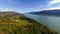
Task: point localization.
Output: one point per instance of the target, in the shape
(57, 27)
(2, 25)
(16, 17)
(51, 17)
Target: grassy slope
(16, 24)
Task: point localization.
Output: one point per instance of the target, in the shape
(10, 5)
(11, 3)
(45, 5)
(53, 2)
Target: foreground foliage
(17, 24)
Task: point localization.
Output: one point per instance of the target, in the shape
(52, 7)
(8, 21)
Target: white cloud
(53, 8)
(53, 2)
(6, 9)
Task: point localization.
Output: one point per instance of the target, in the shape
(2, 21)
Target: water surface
(53, 22)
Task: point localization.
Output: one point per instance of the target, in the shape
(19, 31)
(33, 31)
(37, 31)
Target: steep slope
(15, 23)
(48, 12)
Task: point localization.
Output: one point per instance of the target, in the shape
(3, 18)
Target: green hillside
(14, 23)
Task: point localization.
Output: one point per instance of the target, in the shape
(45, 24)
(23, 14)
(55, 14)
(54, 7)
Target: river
(52, 22)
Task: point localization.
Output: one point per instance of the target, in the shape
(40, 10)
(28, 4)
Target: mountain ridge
(47, 12)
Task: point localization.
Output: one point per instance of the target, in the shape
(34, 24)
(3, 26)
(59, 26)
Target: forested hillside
(15, 23)
(48, 12)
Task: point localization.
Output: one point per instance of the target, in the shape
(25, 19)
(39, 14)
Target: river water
(52, 22)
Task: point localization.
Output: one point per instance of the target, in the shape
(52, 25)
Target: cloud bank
(52, 2)
(53, 8)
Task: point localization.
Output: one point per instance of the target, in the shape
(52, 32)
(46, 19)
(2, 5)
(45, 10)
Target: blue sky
(29, 5)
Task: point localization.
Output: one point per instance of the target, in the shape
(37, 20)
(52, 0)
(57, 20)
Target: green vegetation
(17, 24)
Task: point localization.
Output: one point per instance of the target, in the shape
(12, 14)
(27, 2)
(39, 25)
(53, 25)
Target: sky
(24, 6)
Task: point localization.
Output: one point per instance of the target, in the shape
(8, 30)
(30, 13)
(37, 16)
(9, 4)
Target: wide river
(52, 22)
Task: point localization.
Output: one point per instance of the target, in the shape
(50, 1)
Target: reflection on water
(51, 21)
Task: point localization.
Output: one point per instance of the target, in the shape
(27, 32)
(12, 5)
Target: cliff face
(15, 23)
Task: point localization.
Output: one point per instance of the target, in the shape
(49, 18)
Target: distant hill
(17, 23)
(47, 12)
